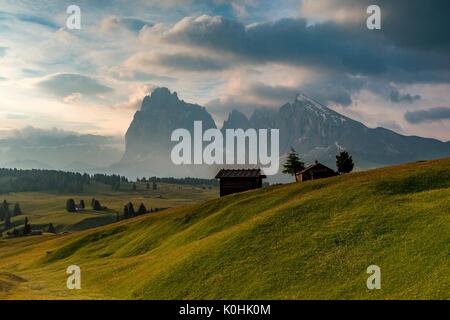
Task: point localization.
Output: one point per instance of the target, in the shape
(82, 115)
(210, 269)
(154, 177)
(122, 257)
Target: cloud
(328, 46)
(60, 148)
(15, 115)
(74, 97)
(323, 10)
(391, 124)
(112, 23)
(67, 84)
(398, 97)
(3, 51)
(277, 93)
(181, 61)
(33, 19)
(403, 23)
(429, 115)
(37, 137)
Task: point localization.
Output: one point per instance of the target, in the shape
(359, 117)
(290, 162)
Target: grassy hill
(299, 241)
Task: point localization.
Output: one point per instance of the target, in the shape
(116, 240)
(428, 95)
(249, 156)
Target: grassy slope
(43, 208)
(311, 240)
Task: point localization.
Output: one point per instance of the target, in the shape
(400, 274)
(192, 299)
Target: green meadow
(311, 240)
(44, 208)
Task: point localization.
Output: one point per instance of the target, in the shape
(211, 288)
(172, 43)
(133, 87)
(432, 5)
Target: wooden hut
(315, 171)
(238, 180)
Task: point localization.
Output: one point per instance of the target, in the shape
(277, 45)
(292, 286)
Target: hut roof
(239, 173)
(317, 165)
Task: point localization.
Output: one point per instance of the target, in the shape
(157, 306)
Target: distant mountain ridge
(314, 130)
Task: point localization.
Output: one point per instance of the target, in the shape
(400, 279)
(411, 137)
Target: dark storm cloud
(398, 97)
(339, 47)
(433, 114)
(281, 94)
(411, 23)
(334, 89)
(416, 24)
(189, 62)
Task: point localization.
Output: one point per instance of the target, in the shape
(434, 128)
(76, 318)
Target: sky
(240, 54)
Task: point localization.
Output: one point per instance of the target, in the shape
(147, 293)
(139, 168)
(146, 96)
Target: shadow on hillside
(414, 183)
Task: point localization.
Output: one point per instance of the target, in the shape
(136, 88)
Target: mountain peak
(236, 119)
(162, 92)
(304, 100)
(160, 96)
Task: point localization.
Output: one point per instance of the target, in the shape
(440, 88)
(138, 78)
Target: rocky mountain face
(315, 131)
(147, 140)
(319, 133)
(161, 113)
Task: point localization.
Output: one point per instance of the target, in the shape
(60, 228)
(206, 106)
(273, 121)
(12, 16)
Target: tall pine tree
(344, 162)
(293, 164)
(70, 205)
(142, 209)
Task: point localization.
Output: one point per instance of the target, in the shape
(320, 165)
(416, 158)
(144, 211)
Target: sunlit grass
(298, 241)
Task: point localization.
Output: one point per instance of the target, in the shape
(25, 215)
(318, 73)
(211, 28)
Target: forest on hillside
(19, 180)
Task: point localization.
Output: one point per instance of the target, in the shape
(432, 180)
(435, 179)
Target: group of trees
(147, 185)
(183, 181)
(6, 213)
(129, 211)
(71, 206)
(293, 164)
(27, 230)
(24, 231)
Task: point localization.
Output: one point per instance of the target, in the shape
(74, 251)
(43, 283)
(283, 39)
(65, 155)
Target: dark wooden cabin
(238, 180)
(315, 171)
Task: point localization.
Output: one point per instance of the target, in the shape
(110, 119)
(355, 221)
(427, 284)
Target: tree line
(128, 209)
(184, 181)
(28, 180)
(71, 206)
(130, 212)
(18, 180)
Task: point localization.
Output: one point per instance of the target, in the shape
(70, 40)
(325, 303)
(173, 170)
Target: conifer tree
(4, 210)
(293, 164)
(344, 162)
(131, 212)
(70, 205)
(125, 212)
(142, 209)
(51, 228)
(97, 206)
